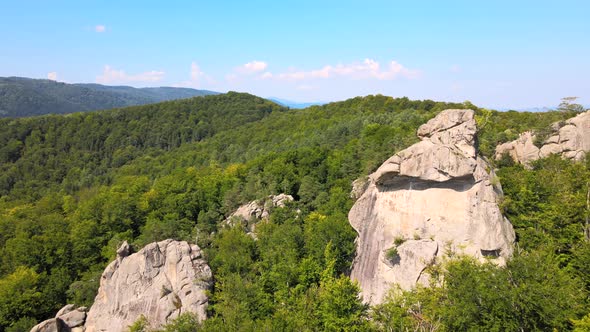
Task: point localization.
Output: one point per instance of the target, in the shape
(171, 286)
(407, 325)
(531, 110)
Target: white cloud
(369, 68)
(52, 76)
(197, 76)
(455, 69)
(266, 75)
(252, 67)
(100, 28)
(110, 75)
(196, 73)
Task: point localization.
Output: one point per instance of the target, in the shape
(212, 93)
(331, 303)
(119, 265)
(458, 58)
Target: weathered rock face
(522, 150)
(261, 210)
(435, 196)
(570, 140)
(249, 214)
(161, 281)
(68, 318)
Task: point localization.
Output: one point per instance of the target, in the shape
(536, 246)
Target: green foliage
(186, 322)
(568, 104)
(530, 294)
(24, 324)
(544, 287)
(399, 240)
(391, 254)
(27, 97)
(548, 204)
(582, 325)
(340, 306)
(19, 296)
(72, 188)
(140, 325)
(501, 127)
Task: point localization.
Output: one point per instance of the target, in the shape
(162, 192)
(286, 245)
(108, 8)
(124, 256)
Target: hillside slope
(20, 97)
(74, 187)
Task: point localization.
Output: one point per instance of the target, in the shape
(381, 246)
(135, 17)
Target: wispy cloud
(110, 75)
(367, 69)
(100, 28)
(252, 67)
(52, 76)
(196, 73)
(266, 75)
(197, 77)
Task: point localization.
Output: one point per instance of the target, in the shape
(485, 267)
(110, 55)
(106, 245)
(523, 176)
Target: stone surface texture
(261, 210)
(570, 140)
(161, 281)
(435, 197)
(69, 318)
(248, 215)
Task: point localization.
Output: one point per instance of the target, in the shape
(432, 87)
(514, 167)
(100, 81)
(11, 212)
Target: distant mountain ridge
(294, 104)
(21, 97)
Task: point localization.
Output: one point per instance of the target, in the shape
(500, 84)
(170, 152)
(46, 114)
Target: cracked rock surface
(570, 140)
(161, 281)
(434, 197)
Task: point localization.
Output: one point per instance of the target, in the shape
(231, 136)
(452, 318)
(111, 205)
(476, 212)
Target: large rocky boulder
(261, 209)
(248, 215)
(160, 282)
(570, 140)
(435, 197)
(67, 319)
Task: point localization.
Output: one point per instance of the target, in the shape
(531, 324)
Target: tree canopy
(72, 188)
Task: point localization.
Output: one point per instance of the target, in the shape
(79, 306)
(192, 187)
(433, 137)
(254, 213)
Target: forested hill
(44, 151)
(20, 97)
(73, 187)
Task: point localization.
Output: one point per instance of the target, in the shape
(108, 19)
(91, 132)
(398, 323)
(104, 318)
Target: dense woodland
(20, 96)
(73, 187)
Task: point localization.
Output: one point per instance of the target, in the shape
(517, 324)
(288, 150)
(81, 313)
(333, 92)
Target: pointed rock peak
(124, 250)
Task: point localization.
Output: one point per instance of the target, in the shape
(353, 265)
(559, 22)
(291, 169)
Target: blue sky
(494, 53)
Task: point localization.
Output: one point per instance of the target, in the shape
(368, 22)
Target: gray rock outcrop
(570, 140)
(251, 213)
(68, 319)
(160, 282)
(434, 197)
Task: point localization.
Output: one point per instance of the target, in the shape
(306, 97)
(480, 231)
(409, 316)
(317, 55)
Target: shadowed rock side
(161, 281)
(570, 139)
(434, 197)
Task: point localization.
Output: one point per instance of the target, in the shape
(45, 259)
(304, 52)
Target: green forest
(74, 187)
(21, 96)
